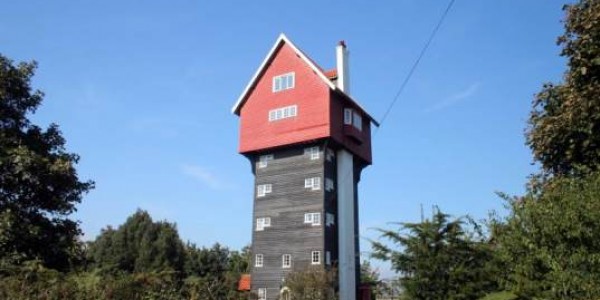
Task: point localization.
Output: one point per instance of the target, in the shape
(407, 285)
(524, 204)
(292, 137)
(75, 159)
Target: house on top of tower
(307, 140)
(292, 100)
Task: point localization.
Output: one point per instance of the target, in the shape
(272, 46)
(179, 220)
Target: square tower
(307, 141)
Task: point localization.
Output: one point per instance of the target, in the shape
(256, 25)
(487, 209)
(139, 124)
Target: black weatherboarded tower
(307, 140)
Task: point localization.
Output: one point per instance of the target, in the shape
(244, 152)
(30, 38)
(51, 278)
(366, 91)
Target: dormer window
(352, 117)
(283, 82)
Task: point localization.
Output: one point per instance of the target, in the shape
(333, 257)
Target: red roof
(244, 283)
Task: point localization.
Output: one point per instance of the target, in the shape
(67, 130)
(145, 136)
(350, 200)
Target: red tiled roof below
(331, 74)
(244, 283)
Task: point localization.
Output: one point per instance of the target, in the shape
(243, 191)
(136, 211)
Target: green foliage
(500, 296)
(312, 284)
(139, 245)
(214, 272)
(39, 186)
(564, 125)
(438, 259)
(551, 240)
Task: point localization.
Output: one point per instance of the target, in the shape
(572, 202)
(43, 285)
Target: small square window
(348, 116)
(316, 257)
(329, 186)
(286, 261)
(357, 121)
(329, 219)
(313, 152)
(283, 82)
(258, 261)
(263, 189)
(262, 294)
(314, 183)
(263, 160)
(261, 223)
(312, 218)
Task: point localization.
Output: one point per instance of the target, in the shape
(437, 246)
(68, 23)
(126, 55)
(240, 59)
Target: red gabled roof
(244, 283)
(326, 76)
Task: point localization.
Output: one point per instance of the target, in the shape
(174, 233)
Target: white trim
(257, 260)
(275, 88)
(263, 160)
(312, 218)
(287, 265)
(317, 255)
(262, 294)
(262, 223)
(281, 39)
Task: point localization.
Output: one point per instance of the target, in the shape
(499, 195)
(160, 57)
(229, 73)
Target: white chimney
(343, 72)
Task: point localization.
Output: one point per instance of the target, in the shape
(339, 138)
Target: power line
(415, 64)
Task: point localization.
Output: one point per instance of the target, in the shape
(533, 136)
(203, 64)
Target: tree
(39, 186)
(139, 245)
(370, 277)
(438, 259)
(564, 124)
(213, 273)
(550, 242)
(311, 284)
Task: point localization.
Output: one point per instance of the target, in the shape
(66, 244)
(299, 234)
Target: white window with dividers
(286, 261)
(312, 218)
(315, 258)
(262, 294)
(313, 183)
(313, 152)
(283, 113)
(262, 223)
(263, 160)
(263, 189)
(284, 82)
(258, 260)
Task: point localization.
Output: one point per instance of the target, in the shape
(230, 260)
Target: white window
(313, 183)
(348, 116)
(329, 219)
(264, 160)
(313, 152)
(258, 261)
(286, 261)
(352, 117)
(283, 82)
(261, 223)
(330, 155)
(262, 294)
(328, 258)
(316, 257)
(357, 121)
(283, 113)
(312, 218)
(329, 184)
(263, 189)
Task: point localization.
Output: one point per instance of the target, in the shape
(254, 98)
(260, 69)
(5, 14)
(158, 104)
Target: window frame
(257, 260)
(262, 223)
(263, 189)
(262, 294)
(313, 218)
(281, 113)
(314, 183)
(289, 261)
(263, 160)
(314, 152)
(317, 255)
(289, 79)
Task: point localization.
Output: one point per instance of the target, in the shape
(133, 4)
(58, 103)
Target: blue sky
(142, 90)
